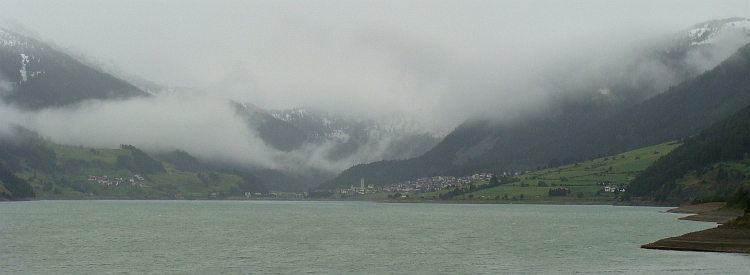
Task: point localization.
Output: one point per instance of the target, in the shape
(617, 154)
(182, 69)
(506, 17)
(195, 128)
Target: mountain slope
(681, 111)
(727, 140)
(36, 76)
(277, 133)
(392, 137)
(576, 130)
(31, 166)
(13, 187)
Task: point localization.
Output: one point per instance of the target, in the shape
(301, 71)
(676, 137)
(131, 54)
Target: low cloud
(437, 63)
(198, 123)
(204, 126)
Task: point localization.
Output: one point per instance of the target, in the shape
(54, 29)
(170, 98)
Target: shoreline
(723, 238)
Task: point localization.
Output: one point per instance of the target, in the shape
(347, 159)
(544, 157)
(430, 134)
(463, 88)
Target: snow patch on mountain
(24, 61)
(20, 45)
(8, 39)
(710, 32)
(339, 127)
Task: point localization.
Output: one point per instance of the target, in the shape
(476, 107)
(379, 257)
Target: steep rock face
(592, 122)
(34, 76)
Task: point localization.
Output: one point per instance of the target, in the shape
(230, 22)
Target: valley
(374, 137)
(590, 142)
(585, 182)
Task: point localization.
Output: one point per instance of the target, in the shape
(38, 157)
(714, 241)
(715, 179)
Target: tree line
(728, 140)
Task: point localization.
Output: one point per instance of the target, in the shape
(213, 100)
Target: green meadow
(74, 165)
(585, 180)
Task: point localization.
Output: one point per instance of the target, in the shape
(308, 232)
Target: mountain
(306, 134)
(708, 43)
(288, 130)
(275, 132)
(33, 167)
(34, 76)
(593, 122)
(392, 137)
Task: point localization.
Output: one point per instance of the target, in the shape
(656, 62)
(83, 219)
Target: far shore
(723, 238)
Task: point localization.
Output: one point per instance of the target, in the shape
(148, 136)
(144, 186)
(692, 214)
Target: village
(136, 180)
(422, 185)
(437, 183)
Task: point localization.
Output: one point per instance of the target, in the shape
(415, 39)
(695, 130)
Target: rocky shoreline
(724, 238)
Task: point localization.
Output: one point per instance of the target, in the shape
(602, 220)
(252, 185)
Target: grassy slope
(707, 186)
(78, 163)
(3, 190)
(578, 178)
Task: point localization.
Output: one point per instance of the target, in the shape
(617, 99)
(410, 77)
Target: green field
(586, 178)
(74, 165)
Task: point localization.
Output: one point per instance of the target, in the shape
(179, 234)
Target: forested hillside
(13, 187)
(581, 132)
(33, 167)
(725, 141)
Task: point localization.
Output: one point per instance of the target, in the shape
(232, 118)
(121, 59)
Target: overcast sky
(439, 61)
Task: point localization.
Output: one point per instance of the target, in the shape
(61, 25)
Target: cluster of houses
(430, 184)
(136, 180)
(422, 185)
(612, 187)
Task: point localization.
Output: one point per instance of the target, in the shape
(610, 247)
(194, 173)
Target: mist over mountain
(73, 103)
(600, 116)
(313, 146)
(33, 76)
(399, 136)
(566, 89)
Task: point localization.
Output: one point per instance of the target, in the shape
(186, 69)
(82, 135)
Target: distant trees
(494, 182)
(728, 140)
(124, 162)
(182, 161)
(203, 179)
(212, 177)
(18, 187)
(554, 163)
(741, 198)
(559, 192)
(455, 192)
(24, 144)
(250, 182)
(140, 163)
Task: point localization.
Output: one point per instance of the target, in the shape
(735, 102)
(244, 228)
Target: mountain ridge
(496, 147)
(36, 76)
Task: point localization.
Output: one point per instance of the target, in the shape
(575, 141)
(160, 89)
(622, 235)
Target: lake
(276, 237)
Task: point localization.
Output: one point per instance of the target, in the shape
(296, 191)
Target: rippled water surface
(260, 237)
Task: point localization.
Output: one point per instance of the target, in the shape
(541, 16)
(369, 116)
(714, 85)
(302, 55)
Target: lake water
(262, 237)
